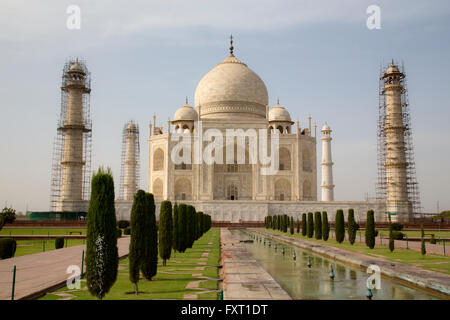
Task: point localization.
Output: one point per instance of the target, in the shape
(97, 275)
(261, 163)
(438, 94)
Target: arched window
(158, 189)
(158, 160)
(183, 189)
(285, 159)
(232, 192)
(306, 159)
(282, 190)
(307, 193)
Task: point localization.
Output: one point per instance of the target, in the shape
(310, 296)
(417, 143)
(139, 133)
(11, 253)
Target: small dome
(326, 127)
(392, 69)
(131, 126)
(279, 113)
(185, 113)
(76, 67)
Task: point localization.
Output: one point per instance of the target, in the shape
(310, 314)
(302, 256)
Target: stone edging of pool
(243, 277)
(429, 280)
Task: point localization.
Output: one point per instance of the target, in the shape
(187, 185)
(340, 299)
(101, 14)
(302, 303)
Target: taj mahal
(233, 97)
(231, 155)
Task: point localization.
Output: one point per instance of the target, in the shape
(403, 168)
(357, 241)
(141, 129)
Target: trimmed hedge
(7, 248)
(339, 226)
(118, 233)
(127, 231)
(318, 225)
(59, 243)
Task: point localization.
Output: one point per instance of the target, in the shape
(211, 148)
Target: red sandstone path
(39, 272)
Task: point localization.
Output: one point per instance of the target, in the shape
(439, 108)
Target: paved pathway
(243, 277)
(420, 277)
(40, 272)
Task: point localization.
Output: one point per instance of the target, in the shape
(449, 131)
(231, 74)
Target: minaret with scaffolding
(129, 178)
(397, 182)
(70, 182)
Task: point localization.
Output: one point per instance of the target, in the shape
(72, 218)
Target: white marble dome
(231, 88)
(279, 113)
(185, 113)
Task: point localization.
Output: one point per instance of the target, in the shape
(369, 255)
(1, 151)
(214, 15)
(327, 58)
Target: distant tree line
(317, 226)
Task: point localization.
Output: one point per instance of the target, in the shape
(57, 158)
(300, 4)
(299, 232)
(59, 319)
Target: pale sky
(145, 57)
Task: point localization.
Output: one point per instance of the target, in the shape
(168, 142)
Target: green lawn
(171, 280)
(415, 234)
(41, 231)
(25, 247)
(437, 263)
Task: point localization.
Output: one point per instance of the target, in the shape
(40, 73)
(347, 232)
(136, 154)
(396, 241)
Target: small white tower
(327, 165)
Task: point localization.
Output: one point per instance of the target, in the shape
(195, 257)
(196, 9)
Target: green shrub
(339, 226)
(59, 243)
(432, 239)
(127, 231)
(370, 229)
(298, 225)
(165, 232)
(7, 248)
(397, 235)
(291, 225)
(325, 226)
(118, 233)
(123, 224)
(318, 225)
(396, 226)
(102, 258)
(310, 225)
(304, 227)
(352, 226)
(423, 249)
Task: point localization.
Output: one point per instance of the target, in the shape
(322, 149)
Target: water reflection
(302, 282)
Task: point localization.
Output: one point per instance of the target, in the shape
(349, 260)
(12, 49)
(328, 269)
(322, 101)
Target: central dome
(229, 90)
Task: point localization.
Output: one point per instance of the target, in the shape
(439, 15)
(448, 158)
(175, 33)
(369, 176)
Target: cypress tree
(298, 225)
(200, 223)
(304, 228)
(352, 226)
(391, 236)
(291, 227)
(165, 231)
(310, 226)
(138, 237)
(190, 226)
(150, 263)
(370, 229)
(102, 258)
(340, 226)
(175, 234)
(325, 226)
(318, 225)
(423, 249)
(182, 227)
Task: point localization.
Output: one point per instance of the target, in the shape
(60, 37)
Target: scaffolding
(56, 182)
(411, 178)
(130, 169)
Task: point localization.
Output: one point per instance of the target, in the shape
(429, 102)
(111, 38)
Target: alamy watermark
(231, 146)
(73, 21)
(374, 19)
(73, 282)
(374, 280)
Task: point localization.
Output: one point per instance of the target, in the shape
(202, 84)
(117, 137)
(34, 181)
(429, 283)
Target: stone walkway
(423, 278)
(243, 277)
(42, 272)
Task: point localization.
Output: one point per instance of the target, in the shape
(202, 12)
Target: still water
(303, 282)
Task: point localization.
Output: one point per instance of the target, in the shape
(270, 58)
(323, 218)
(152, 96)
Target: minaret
(327, 165)
(73, 125)
(130, 161)
(396, 164)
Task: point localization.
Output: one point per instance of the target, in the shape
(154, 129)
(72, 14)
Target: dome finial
(231, 45)
(187, 102)
(278, 101)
